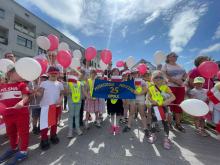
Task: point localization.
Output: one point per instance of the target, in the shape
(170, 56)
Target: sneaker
(61, 124)
(171, 127)
(54, 139)
(35, 131)
(97, 124)
(7, 155)
(90, 118)
(166, 144)
(126, 129)
(147, 132)
(86, 125)
(19, 156)
(44, 144)
(180, 128)
(70, 133)
(152, 138)
(79, 132)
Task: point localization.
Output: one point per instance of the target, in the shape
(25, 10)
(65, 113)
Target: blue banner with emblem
(114, 90)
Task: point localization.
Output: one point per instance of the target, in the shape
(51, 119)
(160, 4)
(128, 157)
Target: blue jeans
(74, 112)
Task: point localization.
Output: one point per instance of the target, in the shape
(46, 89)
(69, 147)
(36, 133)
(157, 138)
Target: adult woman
(176, 76)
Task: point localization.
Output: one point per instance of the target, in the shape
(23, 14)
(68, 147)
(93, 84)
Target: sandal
(180, 128)
(166, 144)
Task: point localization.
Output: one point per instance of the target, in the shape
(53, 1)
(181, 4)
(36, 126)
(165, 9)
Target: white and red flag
(47, 116)
(159, 113)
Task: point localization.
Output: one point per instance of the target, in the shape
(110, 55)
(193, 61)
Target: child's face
(158, 80)
(147, 77)
(53, 76)
(13, 76)
(198, 85)
(115, 73)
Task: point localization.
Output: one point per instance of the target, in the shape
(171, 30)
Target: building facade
(150, 66)
(19, 29)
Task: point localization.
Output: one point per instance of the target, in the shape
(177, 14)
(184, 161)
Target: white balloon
(28, 68)
(4, 65)
(159, 57)
(195, 107)
(63, 46)
(75, 63)
(102, 65)
(77, 54)
(130, 61)
(43, 42)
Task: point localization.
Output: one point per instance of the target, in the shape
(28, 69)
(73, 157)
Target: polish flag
(47, 116)
(116, 78)
(159, 113)
(214, 96)
(72, 79)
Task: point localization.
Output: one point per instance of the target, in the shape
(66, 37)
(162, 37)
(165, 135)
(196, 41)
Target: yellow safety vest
(156, 95)
(90, 86)
(76, 92)
(114, 101)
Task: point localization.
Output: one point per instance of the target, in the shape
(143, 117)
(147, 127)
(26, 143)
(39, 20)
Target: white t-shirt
(175, 72)
(52, 90)
(200, 94)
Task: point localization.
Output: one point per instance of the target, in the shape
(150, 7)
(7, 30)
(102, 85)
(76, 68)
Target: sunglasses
(159, 78)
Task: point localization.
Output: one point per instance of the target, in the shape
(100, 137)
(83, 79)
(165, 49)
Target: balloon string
(35, 100)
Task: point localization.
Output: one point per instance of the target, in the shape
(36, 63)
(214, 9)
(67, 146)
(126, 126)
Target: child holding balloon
(200, 93)
(15, 95)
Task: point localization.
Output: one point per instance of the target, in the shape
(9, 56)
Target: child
(92, 105)
(125, 77)
(75, 92)
(214, 97)
(198, 92)
(52, 92)
(139, 102)
(115, 106)
(160, 96)
(14, 95)
(35, 103)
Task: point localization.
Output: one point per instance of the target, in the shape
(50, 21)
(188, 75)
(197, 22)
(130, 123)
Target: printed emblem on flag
(159, 113)
(47, 116)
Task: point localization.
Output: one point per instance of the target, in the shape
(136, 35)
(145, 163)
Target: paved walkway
(99, 147)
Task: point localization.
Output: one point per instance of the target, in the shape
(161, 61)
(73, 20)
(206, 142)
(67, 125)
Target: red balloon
(90, 53)
(208, 69)
(106, 56)
(44, 64)
(120, 63)
(142, 68)
(54, 42)
(64, 58)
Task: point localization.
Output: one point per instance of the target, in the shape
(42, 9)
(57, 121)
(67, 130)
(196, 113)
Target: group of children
(153, 97)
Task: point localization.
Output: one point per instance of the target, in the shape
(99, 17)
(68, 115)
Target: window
(41, 51)
(24, 42)
(2, 13)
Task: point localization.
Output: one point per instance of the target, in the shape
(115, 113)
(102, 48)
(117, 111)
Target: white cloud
(94, 17)
(211, 48)
(217, 33)
(152, 17)
(147, 41)
(124, 31)
(184, 25)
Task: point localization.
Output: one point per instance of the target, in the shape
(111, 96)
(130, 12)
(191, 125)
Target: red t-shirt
(11, 94)
(195, 73)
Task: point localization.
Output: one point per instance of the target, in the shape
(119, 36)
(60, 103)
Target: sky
(137, 28)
